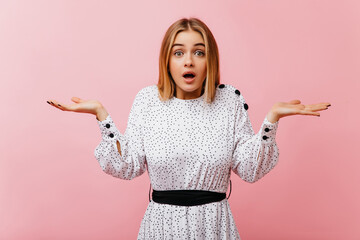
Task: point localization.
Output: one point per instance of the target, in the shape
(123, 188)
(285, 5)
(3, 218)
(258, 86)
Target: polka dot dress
(188, 144)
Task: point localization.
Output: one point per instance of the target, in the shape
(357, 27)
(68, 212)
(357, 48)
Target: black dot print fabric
(188, 144)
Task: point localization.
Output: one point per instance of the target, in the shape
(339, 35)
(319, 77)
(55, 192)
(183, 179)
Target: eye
(175, 53)
(201, 53)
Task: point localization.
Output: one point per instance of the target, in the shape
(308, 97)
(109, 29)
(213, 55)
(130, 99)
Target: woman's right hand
(80, 105)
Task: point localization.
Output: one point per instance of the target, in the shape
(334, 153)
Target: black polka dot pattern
(188, 144)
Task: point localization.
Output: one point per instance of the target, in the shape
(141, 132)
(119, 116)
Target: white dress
(188, 144)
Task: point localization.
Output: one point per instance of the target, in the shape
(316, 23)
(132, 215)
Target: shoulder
(148, 90)
(146, 95)
(228, 88)
(230, 93)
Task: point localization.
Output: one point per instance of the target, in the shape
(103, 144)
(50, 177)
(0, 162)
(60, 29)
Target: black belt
(187, 197)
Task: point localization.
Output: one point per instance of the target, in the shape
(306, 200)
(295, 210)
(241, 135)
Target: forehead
(188, 37)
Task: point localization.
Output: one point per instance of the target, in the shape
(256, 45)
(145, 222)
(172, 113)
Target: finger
(51, 102)
(316, 107)
(56, 104)
(295, 101)
(303, 112)
(325, 103)
(77, 100)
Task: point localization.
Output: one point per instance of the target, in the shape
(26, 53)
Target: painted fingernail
(48, 102)
(59, 105)
(329, 105)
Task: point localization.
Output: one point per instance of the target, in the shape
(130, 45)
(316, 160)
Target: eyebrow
(179, 44)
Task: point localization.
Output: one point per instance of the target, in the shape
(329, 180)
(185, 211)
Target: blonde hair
(166, 84)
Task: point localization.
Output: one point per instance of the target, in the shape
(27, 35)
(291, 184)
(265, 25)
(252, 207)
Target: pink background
(52, 187)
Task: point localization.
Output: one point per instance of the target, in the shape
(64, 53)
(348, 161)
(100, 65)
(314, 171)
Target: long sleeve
(254, 154)
(132, 161)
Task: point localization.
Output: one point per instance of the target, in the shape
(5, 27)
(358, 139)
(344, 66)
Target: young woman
(189, 131)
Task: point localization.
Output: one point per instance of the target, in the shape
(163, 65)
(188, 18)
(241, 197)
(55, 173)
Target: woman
(189, 131)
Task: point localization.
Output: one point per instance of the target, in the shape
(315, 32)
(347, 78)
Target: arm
(101, 115)
(122, 155)
(254, 154)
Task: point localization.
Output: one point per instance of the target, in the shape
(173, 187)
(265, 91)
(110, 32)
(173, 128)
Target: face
(188, 56)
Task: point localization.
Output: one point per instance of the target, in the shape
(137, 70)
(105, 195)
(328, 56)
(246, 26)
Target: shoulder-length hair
(166, 84)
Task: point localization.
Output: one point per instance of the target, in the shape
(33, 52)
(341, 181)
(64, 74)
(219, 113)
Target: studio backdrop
(51, 185)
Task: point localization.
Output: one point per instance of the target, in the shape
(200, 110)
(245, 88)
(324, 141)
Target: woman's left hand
(283, 109)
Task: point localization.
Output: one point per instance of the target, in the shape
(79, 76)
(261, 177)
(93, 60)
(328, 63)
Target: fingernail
(59, 105)
(48, 102)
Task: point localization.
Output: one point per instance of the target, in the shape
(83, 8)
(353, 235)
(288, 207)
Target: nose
(188, 60)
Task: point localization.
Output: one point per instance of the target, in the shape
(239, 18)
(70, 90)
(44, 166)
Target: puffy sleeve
(132, 161)
(254, 154)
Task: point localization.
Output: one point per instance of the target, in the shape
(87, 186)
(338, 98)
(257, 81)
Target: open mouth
(189, 75)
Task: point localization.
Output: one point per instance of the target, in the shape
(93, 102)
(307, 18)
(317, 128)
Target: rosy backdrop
(51, 186)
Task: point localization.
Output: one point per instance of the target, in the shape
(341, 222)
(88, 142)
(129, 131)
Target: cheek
(173, 68)
(204, 68)
(172, 63)
(203, 63)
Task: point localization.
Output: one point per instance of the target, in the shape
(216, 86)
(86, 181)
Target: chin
(190, 87)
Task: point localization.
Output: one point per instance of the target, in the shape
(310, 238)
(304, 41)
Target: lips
(189, 74)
